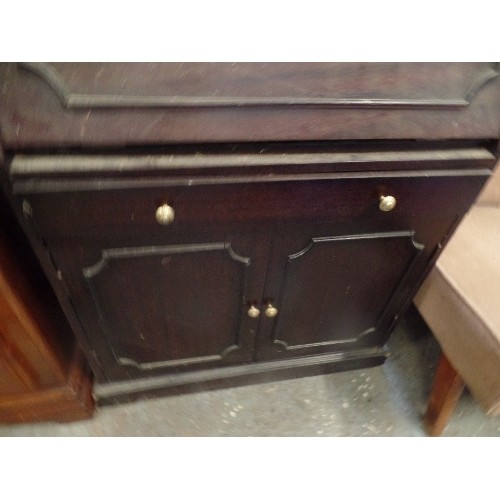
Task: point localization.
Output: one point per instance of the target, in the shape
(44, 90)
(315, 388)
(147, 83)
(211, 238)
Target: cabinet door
(340, 285)
(169, 306)
(161, 308)
(336, 292)
(154, 299)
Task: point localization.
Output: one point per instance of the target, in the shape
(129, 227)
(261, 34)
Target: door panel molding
(417, 252)
(90, 273)
(130, 252)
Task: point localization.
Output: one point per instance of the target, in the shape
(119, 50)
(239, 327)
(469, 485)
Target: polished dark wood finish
(43, 374)
(156, 299)
(177, 85)
(446, 390)
(232, 376)
(326, 296)
(191, 311)
(275, 174)
(98, 206)
(85, 104)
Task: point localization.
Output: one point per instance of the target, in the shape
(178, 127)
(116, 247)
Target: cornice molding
(72, 100)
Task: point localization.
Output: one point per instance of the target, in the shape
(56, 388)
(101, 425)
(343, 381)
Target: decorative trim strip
(82, 101)
(367, 236)
(287, 347)
(167, 364)
(130, 386)
(177, 362)
(61, 186)
(22, 165)
(130, 252)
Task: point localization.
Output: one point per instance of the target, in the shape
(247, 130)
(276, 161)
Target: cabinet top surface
(116, 104)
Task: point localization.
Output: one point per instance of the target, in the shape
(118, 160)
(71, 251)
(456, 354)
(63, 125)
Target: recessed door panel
(170, 307)
(337, 290)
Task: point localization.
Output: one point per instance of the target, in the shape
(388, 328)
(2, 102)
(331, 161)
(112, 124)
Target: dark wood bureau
(205, 226)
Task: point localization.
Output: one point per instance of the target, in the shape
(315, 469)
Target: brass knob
(271, 311)
(165, 215)
(253, 312)
(387, 203)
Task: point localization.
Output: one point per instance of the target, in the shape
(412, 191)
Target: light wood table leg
(446, 390)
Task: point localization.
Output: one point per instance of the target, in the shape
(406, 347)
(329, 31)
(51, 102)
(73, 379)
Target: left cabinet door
(152, 299)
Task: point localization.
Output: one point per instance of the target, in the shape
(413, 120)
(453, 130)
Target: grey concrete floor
(383, 401)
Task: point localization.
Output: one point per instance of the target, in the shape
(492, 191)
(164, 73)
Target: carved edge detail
(287, 347)
(480, 82)
(50, 76)
(396, 234)
(177, 362)
(130, 252)
(367, 236)
(235, 256)
(81, 101)
(166, 364)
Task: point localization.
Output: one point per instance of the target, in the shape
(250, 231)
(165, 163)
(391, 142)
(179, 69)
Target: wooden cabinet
(43, 373)
(185, 261)
(247, 269)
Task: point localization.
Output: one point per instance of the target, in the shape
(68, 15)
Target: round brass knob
(253, 312)
(271, 311)
(387, 203)
(165, 215)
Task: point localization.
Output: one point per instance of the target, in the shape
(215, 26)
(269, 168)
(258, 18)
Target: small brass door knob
(387, 203)
(253, 312)
(271, 311)
(165, 215)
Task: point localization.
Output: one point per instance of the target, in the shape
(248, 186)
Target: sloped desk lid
(144, 103)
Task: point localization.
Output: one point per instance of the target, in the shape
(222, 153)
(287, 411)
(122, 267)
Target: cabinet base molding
(64, 403)
(232, 376)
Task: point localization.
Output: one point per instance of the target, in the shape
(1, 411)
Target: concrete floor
(383, 401)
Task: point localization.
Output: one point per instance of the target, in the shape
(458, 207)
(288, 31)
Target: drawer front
(352, 204)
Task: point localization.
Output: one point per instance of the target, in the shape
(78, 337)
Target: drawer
(350, 202)
(119, 196)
